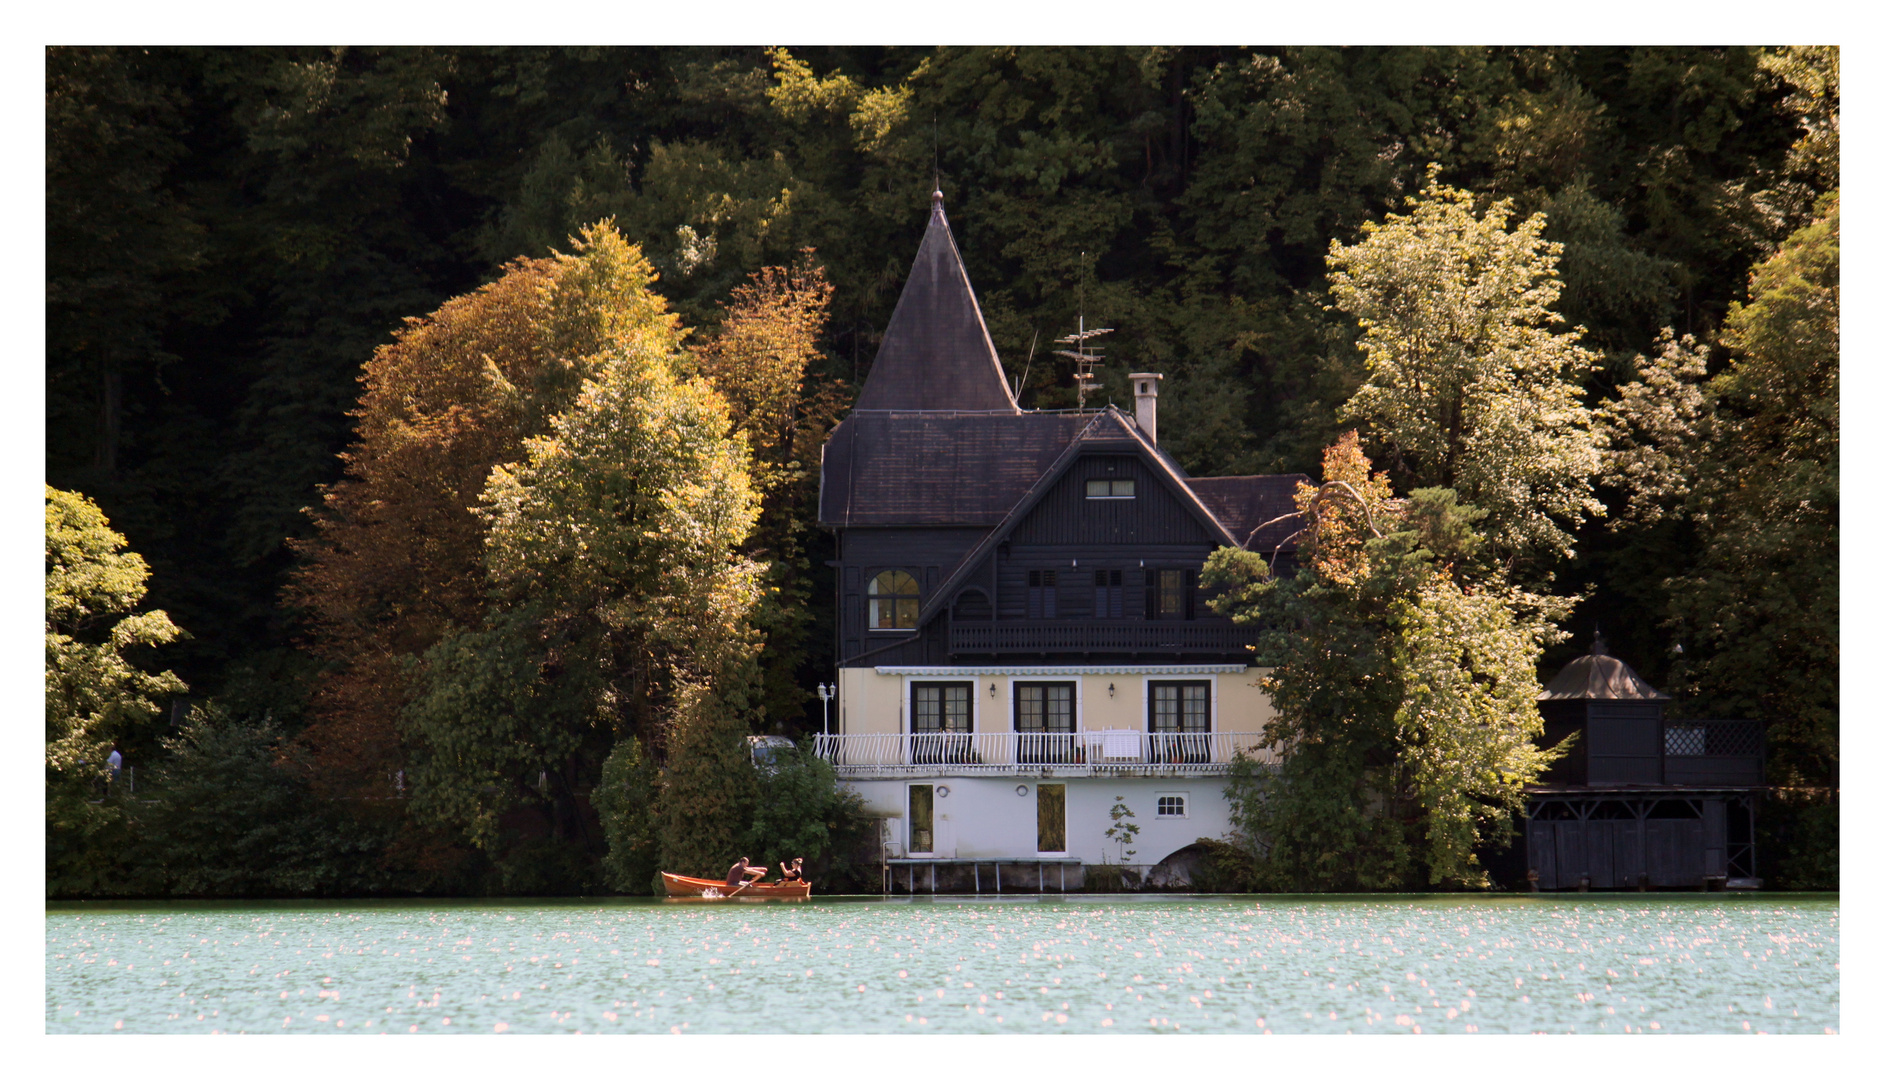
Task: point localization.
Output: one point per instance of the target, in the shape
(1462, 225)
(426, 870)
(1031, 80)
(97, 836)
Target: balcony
(1086, 636)
(1009, 753)
(1713, 753)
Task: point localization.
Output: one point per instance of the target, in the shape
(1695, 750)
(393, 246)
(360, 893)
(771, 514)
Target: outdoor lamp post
(825, 694)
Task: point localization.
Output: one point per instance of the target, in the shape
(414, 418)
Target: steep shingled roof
(936, 355)
(936, 468)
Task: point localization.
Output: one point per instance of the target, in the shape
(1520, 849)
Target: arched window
(893, 598)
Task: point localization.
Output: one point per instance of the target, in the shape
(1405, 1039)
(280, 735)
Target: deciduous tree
(1405, 688)
(1469, 386)
(98, 690)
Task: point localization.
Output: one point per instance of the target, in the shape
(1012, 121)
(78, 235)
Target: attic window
(893, 601)
(1109, 489)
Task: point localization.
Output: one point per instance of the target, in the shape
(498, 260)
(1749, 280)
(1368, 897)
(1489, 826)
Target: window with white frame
(1174, 804)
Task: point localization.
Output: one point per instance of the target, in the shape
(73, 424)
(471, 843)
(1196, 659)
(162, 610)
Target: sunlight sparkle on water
(1623, 963)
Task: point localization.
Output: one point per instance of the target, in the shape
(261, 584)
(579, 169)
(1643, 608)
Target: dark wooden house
(1639, 800)
(1021, 635)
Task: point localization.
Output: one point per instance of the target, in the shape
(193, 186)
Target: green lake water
(1656, 963)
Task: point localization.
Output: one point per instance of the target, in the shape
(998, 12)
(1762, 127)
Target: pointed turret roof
(1599, 676)
(936, 355)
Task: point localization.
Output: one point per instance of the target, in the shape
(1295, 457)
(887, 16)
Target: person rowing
(744, 873)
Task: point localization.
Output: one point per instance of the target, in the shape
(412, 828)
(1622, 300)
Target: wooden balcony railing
(1122, 752)
(1092, 636)
(1713, 753)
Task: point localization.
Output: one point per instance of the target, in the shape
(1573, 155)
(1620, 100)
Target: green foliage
(1758, 609)
(232, 231)
(707, 788)
(1468, 386)
(611, 554)
(801, 812)
(231, 815)
(490, 725)
(1405, 687)
(1797, 835)
(626, 801)
(96, 695)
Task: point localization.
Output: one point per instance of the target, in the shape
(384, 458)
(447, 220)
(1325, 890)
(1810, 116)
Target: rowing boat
(707, 889)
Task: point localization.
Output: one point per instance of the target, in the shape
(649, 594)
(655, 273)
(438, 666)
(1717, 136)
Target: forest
(433, 434)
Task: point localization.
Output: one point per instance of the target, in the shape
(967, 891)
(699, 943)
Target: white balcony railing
(1082, 752)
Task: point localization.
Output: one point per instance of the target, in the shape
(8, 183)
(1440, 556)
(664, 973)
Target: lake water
(1589, 963)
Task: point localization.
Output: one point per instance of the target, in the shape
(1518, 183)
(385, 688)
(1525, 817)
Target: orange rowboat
(706, 889)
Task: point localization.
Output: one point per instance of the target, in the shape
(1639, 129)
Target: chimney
(1145, 402)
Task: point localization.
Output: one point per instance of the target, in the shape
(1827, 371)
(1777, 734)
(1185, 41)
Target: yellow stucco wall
(873, 703)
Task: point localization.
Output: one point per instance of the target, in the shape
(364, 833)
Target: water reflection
(1624, 963)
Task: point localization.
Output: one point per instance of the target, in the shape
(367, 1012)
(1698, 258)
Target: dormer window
(893, 601)
(1109, 489)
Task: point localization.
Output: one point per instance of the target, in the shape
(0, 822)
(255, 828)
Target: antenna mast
(1085, 357)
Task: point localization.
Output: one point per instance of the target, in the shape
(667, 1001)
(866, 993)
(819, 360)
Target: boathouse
(1639, 800)
(1022, 641)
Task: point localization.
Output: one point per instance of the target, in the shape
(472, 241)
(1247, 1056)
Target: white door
(945, 834)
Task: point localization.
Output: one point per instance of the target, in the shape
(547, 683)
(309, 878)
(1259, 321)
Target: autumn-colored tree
(398, 556)
(757, 359)
(614, 578)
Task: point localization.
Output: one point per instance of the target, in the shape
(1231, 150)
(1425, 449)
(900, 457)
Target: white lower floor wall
(1000, 817)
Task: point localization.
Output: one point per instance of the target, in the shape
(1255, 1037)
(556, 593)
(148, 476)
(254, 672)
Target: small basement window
(1109, 489)
(1172, 805)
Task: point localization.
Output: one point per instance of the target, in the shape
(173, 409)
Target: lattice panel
(1734, 739)
(1685, 740)
(1718, 739)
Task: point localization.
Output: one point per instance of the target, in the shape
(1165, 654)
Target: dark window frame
(903, 604)
(1181, 685)
(917, 690)
(1116, 487)
(1160, 586)
(1073, 706)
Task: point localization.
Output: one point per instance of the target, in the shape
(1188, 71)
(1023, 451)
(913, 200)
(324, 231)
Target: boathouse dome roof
(1598, 676)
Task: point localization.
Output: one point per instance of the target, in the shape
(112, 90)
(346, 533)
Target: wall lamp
(991, 689)
(1109, 690)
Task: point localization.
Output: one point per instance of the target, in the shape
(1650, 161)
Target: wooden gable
(1153, 515)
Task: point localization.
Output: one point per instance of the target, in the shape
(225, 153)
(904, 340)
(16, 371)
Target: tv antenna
(1085, 357)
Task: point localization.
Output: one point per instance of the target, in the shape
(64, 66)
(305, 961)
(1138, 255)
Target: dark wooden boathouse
(1640, 800)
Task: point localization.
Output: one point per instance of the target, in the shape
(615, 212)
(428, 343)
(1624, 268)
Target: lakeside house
(1024, 649)
(1022, 642)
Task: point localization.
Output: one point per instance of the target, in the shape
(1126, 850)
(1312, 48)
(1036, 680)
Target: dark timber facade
(1639, 801)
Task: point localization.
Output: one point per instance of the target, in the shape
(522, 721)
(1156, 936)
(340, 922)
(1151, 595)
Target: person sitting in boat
(742, 871)
(793, 871)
